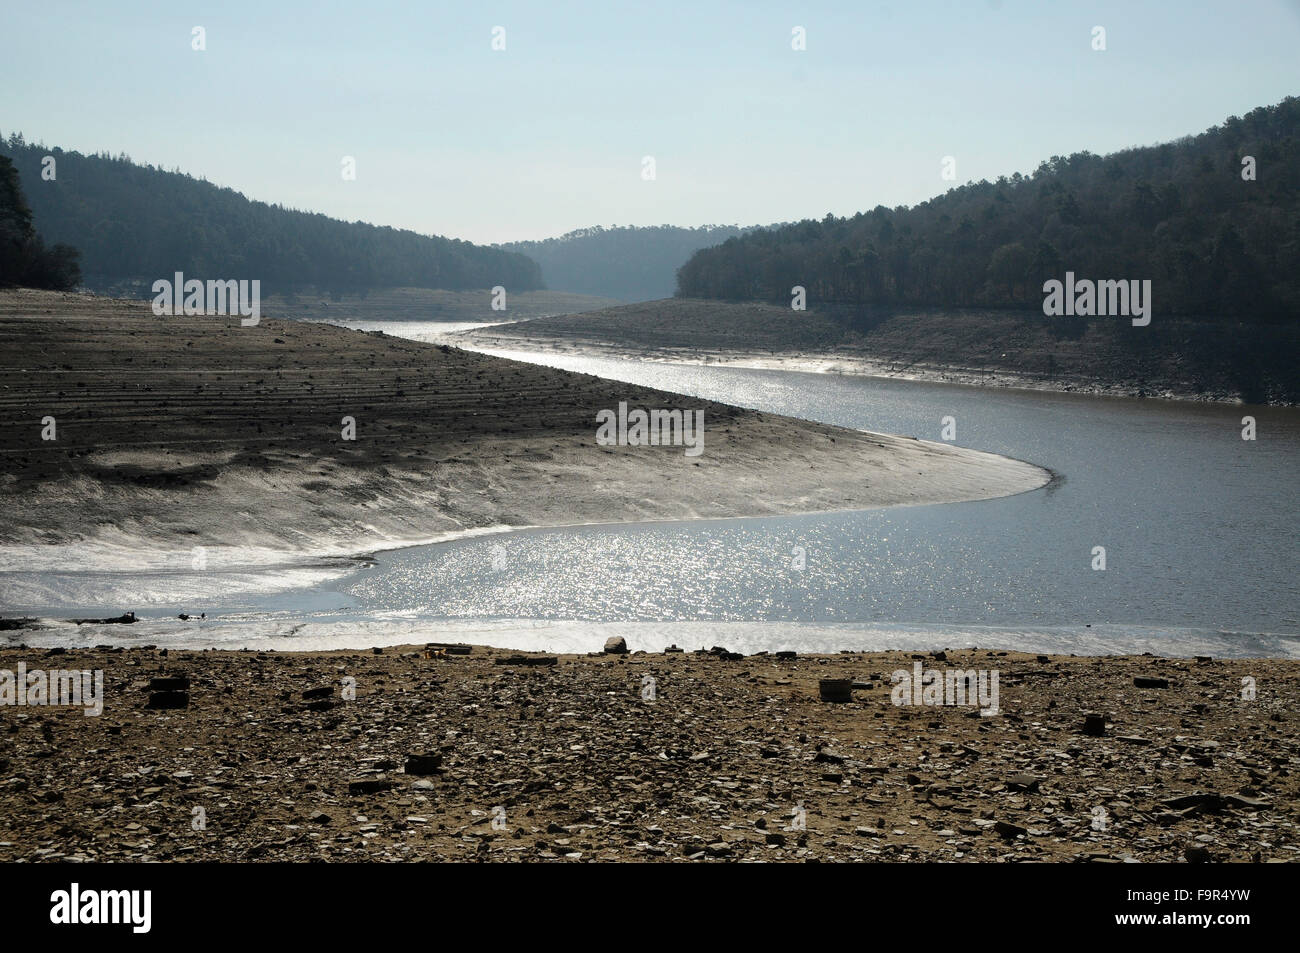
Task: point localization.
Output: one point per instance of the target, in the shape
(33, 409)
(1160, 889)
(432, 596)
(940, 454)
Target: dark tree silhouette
(136, 223)
(24, 259)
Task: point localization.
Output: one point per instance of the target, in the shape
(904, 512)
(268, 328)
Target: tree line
(1212, 220)
(24, 258)
(134, 223)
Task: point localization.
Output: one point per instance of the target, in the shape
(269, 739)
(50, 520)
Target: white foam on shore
(132, 572)
(296, 634)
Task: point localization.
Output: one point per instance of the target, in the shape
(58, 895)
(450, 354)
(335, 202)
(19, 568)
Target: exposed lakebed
(1198, 527)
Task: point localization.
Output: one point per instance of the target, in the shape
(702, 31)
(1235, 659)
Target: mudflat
(1177, 358)
(172, 432)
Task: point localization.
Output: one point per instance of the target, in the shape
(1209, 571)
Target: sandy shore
(414, 755)
(179, 434)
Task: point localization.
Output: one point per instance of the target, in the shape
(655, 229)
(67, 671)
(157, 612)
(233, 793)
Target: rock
(325, 691)
(1197, 855)
(1009, 830)
(372, 785)
(787, 655)
(126, 619)
(1094, 725)
(169, 683)
(422, 764)
(1239, 800)
(1213, 802)
(1144, 681)
(672, 649)
(320, 817)
(774, 837)
(1023, 782)
(526, 660)
(160, 701)
(616, 645)
(835, 689)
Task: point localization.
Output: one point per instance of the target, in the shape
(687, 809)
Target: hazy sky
(453, 138)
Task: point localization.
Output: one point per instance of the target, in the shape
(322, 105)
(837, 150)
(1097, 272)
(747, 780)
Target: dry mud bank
(182, 432)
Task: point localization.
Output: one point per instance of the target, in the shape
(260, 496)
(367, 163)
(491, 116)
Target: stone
(616, 645)
(451, 648)
(526, 660)
(372, 785)
(835, 689)
(1009, 830)
(169, 683)
(162, 701)
(1023, 782)
(1144, 681)
(423, 764)
(1094, 725)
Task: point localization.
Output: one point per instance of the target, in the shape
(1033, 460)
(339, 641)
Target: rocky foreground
(429, 754)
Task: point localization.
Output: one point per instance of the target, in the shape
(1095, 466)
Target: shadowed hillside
(1184, 215)
(135, 223)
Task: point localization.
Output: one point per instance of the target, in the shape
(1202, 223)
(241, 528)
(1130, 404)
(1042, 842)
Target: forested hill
(623, 262)
(1212, 242)
(135, 223)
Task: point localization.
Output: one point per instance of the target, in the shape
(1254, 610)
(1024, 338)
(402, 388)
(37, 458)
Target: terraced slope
(189, 431)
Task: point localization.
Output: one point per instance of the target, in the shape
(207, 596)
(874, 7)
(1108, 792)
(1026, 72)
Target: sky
(452, 137)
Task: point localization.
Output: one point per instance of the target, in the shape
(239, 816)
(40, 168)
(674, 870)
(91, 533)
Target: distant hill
(135, 223)
(1180, 214)
(623, 262)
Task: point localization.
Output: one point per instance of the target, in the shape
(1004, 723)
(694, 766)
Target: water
(1197, 526)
